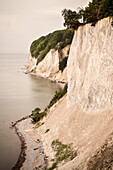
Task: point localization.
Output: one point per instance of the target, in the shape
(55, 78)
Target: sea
(20, 93)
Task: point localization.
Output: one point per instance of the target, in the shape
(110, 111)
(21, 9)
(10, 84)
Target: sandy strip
(32, 153)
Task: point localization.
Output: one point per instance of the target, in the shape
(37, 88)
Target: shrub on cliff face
(63, 153)
(58, 95)
(37, 115)
(36, 110)
(58, 40)
(63, 63)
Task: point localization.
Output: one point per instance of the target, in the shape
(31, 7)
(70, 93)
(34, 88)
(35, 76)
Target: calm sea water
(19, 95)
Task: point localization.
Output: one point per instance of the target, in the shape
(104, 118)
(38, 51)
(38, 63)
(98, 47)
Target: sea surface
(20, 93)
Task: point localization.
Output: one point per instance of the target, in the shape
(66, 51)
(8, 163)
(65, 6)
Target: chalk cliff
(31, 63)
(49, 66)
(84, 117)
(90, 67)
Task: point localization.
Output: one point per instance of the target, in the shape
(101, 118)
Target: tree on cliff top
(105, 9)
(96, 10)
(71, 18)
(57, 40)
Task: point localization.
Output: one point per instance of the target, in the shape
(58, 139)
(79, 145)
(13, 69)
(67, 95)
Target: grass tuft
(63, 152)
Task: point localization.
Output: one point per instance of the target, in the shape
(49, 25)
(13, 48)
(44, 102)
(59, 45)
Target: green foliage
(63, 63)
(39, 48)
(36, 111)
(71, 18)
(58, 95)
(35, 44)
(105, 9)
(63, 153)
(37, 115)
(65, 39)
(53, 166)
(96, 10)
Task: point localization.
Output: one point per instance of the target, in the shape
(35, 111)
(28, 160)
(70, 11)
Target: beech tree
(71, 18)
(105, 9)
(96, 10)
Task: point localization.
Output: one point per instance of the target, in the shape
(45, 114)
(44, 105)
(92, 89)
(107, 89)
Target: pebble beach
(32, 153)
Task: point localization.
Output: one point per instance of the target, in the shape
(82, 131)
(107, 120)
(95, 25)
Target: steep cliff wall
(49, 66)
(90, 67)
(87, 122)
(31, 63)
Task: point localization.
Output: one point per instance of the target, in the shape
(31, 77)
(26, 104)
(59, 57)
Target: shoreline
(60, 83)
(21, 158)
(32, 154)
(24, 140)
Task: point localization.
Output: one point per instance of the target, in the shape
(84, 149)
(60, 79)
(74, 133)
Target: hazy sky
(22, 21)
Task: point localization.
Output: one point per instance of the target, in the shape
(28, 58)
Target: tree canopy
(57, 40)
(96, 10)
(71, 18)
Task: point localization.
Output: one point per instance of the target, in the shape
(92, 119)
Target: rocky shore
(32, 153)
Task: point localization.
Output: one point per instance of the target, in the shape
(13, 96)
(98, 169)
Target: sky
(23, 21)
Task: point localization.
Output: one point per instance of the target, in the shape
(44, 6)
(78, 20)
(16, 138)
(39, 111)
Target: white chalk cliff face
(90, 67)
(31, 63)
(49, 65)
(87, 122)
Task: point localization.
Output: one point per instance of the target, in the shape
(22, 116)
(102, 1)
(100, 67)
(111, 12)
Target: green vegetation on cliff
(37, 115)
(58, 95)
(58, 40)
(63, 63)
(96, 10)
(63, 153)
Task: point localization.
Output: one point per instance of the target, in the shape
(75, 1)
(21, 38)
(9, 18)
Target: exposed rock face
(31, 63)
(61, 76)
(63, 52)
(49, 65)
(90, 67)
(87, 122)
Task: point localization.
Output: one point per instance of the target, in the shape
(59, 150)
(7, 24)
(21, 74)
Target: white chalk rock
(90, 67)
(49, 65)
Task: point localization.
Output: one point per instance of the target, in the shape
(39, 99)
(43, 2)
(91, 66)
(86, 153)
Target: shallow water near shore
(19, 94)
